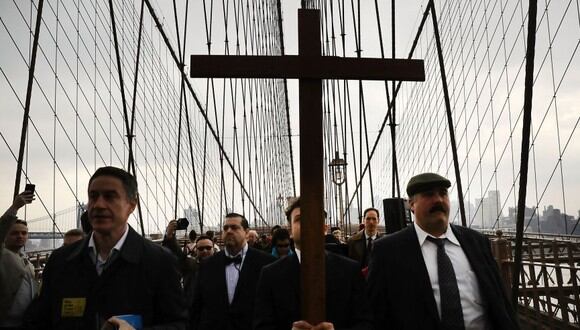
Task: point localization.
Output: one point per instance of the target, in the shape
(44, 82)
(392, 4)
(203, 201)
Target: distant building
(488, 210)
(193, 216)
(555, 222)
(354, 215)
(455, 214)
(531, 218)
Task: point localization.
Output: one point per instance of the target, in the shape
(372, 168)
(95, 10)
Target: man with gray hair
(252, 238)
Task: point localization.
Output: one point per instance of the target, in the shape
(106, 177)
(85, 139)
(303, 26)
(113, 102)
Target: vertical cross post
(312, 269)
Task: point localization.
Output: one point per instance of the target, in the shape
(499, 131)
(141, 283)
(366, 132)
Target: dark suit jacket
(401, 292)
(211, 309)
(278, 295)
(187, 267)
(142, 280)
(357, 247)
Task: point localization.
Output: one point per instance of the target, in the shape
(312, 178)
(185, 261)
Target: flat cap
(426, 181)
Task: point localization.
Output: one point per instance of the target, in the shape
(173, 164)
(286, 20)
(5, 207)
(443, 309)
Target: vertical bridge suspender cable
(526, 128)
(282, 50)
(448, 112)
(204, 114)
(28, 96)
(388, 116)
(128, 126)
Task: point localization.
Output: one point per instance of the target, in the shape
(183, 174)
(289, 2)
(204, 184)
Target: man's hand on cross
(303, 325)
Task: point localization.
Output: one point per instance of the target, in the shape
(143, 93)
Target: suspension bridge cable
(387, 117)
(26, 116)
(212, 131)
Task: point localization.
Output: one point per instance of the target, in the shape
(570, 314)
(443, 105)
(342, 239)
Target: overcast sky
(554, 129)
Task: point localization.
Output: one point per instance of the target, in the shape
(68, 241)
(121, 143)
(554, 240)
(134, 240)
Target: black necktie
(451, 311)
(235, 260)
(368, 251)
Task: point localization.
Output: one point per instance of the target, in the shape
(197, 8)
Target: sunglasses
(282, 245)
(204, 248)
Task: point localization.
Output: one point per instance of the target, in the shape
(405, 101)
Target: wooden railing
(38, 259)
(549, 296)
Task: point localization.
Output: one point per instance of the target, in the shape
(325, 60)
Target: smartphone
(30, 187)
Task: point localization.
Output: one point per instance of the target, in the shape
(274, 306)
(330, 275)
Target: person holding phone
(187, 266)
(18, 284)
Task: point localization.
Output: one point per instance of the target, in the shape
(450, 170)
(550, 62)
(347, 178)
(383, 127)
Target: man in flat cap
(435, 275)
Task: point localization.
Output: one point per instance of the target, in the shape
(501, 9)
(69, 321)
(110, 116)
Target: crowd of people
(430, 275)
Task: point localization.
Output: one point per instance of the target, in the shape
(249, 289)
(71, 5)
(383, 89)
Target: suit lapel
(244, 275)
(361, 245)
(221, 277)
(293, 277)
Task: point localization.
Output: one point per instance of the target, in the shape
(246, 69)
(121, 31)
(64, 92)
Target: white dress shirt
(471, 302)
(373, 238)
(101, 263)
(233, 272)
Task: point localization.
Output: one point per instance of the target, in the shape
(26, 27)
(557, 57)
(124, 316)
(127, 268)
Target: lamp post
(280, 200)
(338, 176)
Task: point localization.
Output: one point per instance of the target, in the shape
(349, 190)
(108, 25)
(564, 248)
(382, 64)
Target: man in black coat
(278, 293)
(434, 275)
(225, 286)
(112, 272)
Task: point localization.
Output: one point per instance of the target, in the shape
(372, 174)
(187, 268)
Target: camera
(182, 224)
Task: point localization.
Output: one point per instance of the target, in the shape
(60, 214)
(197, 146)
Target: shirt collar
(242, 252)
(367, 236)
(422, 235)
(117, 246)
(298, 255)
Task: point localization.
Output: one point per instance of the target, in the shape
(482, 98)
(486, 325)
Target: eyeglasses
(283, 245)
(232, 227)
(204, 248)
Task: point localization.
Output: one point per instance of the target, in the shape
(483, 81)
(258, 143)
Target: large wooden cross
(310, 67)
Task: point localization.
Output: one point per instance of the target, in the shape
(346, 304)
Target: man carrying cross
(277, 304)
(310, 67)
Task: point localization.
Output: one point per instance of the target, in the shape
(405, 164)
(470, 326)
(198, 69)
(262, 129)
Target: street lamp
(280, 201)
(338, 176)
(337, 170)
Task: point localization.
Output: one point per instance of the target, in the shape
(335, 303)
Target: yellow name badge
(73, 307)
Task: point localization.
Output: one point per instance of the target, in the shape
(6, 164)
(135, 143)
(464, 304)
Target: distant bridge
(44, 235)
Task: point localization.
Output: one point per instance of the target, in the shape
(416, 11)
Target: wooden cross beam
(310, 67)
